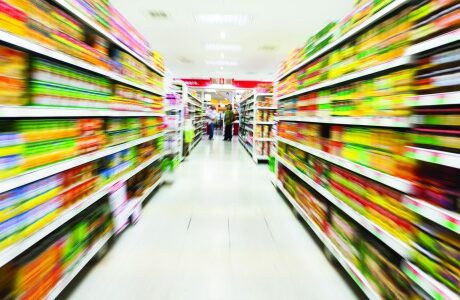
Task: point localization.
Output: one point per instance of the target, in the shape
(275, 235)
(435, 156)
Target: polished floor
(219, 231)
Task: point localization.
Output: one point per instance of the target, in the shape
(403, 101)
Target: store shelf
(257, 95)
(442, 40)
(443, 217)
(249, 128)
(434, 156)
(452, 98)
(67, 6)
(8, 184)
(387, 10)
(398, 62)
(432, 287)
(349, 267)
(397, 122)
(62, 57)
(266, 108)
(196, 142)
(84, 259)
(394, 243)
(245, 145)
(56, 112)
(391, 181)
(265, 123)
(260, 157)
(148, 192)
(171, 108)
(15, 250)
(263, 139)
(196, 98)
(242, 102)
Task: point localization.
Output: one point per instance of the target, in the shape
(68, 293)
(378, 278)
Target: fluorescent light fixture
(222, 35)
(223, 47)
(229, 19)
(228, 63)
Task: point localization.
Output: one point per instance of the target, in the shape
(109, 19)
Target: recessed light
(222, 35)
(228, 63)
(223, 47)
(231, 19)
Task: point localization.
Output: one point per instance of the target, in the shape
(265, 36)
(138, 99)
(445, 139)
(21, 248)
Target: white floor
(220, 231)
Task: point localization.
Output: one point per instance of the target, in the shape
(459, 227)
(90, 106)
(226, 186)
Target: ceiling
(273, 29)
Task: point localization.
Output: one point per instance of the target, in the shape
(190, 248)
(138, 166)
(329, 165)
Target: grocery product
(35, 273)
(53, 84)
(12, 76)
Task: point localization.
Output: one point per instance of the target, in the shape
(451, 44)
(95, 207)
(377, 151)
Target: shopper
(228, 121)
(211, 116)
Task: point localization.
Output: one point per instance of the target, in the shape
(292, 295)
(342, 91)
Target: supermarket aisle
(219, 232)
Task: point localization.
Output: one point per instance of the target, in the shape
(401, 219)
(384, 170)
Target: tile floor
(219, 231)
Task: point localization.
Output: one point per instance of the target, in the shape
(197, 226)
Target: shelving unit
(354, 273)
(175, 117)
(114, 143)
(250, 125)
(326, 144)
(196, 117)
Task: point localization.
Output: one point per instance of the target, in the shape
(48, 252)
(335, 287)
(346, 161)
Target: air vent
(185, 60)
(158, 14)
(268, 48)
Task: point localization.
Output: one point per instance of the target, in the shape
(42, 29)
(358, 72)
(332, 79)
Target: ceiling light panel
(225, 19)
(223, 47)
(228, 63)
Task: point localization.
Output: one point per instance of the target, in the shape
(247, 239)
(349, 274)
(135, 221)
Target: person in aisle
(211, 116)
(228, 121)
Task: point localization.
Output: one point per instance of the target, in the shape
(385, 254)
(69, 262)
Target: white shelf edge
(46, 171)
(256, 95)
(450, 98)
(435, 156)
(264, 139)
(247, 98)
(196, 143)
(397, 122)
(352, 270)
(444, 39)
(430, 285)
(398, 246)
(84, 260)
(196, 98)
(62, 57)
(8, 254)
(38, 112)
(373, 19)
(265, 123)
(434, 213)
(266, 108)
(106, 34)
(245, 146)
(398, 62)
(386, 179)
